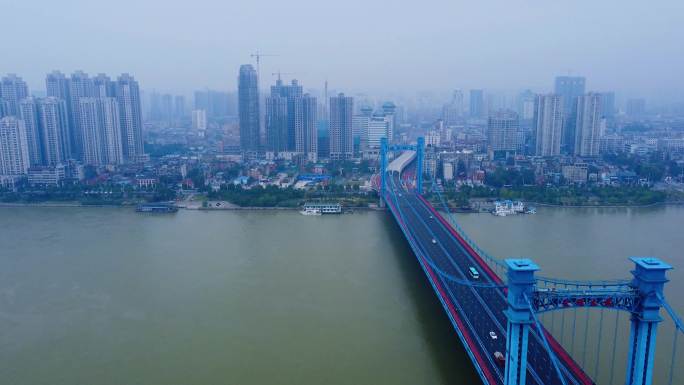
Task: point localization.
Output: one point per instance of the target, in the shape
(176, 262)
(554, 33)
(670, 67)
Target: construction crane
(281, 73)
(258, 56)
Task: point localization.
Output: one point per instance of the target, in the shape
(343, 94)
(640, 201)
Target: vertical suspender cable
(612, 363)
(586, 337)
(572, 339)
(598, 347)
(674, 354)
(562, 333)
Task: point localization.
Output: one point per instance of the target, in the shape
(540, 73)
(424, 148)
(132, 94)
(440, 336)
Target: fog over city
(366, 46)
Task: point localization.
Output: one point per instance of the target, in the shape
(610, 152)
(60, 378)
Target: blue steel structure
(478, 307)
(419, 148)
(520, 287)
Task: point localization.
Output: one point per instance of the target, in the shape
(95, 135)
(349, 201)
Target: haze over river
(109, 296)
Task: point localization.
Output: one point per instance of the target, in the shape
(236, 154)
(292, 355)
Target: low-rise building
(46, 176)
(575, 173)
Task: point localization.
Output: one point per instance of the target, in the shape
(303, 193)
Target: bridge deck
(474, 311)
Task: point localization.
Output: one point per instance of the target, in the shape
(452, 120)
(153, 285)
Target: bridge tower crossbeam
(642, 297)
(419, 148)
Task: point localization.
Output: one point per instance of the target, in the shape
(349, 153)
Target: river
(109, 296)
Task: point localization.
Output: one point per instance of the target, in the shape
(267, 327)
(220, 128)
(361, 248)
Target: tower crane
(258, 56)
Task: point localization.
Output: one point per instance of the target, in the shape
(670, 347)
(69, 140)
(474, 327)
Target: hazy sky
(634, 47)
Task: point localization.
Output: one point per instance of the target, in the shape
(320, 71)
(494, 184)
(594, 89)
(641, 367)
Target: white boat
(311, 211)
(323, 208)
(508, 207)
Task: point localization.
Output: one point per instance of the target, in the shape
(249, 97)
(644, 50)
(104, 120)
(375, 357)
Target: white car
(493, 335)
(434, 240)
(431, 216)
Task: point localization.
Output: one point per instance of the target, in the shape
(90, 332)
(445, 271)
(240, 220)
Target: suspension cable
(679, 327)
(598, 347)
(586, 337)
(439, 271)
(612, 363)
(541, 333)
(574, 322)
(562, 333)
(674, 354)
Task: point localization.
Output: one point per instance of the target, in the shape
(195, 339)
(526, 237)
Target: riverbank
(180, 206)
(51, 204)
(672, 203)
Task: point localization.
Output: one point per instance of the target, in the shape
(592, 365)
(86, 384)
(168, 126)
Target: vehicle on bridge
(500, 359)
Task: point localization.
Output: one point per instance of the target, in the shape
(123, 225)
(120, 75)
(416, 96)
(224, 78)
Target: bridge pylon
(520, 286)
(649, 279)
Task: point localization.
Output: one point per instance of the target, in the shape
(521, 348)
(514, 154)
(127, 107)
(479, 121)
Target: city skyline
(302, 192)
(607, 50)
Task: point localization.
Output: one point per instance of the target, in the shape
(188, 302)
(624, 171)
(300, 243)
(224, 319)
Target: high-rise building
(57, 85)
(199, 120)
(127, 94)
(569, 88)
(14, 154)
(80, 86)
(284, 119)
(55, 127)
(548, 124)
(589, 123)
(477, 106)
(28, 112)
(217, 104)
(4, 108)
(102, 136)
(378, 128)
(389, 111)
(526, 103)
(636, 108)
(110, 125)
(307, 136)
(167, 107)
(360, 131)
(341, 140)
(502, 130)
(12, 90)
(452, 112)
(323, 133)
(91, 131)
(155, 112)
(608, 105)
(103, 86)
(179, 107)
(276, 123)
(248, 106)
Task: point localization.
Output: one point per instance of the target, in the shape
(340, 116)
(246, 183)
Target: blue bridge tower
(649, 279)
(520, 288)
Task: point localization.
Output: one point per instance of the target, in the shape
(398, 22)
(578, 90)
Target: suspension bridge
(496, 306)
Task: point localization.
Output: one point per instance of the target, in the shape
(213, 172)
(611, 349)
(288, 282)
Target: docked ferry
(156, 208)
(508, 207)
(317, 208)
(311, 211)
